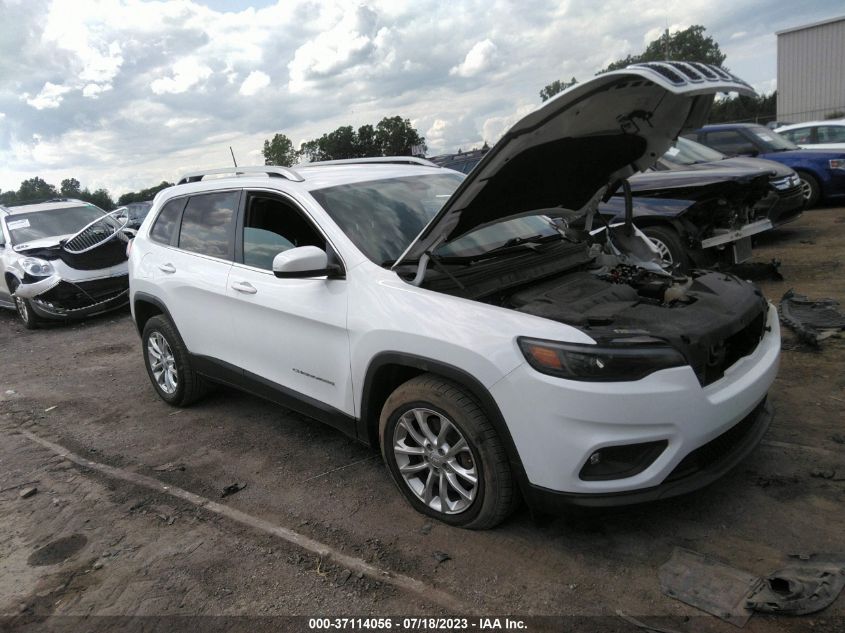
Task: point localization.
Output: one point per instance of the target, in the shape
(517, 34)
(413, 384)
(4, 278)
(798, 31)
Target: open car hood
(568, 151)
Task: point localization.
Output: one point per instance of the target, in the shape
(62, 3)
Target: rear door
(196, 235)
(290, 332)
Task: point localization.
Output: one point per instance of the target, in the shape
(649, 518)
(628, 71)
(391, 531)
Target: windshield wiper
(530, 242)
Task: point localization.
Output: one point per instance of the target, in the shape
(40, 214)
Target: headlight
(37, 267)
(837, 163)
(599, 363)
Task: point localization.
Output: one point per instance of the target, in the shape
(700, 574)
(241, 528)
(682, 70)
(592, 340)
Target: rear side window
(167, 222)
(208, 224)
(831, 134)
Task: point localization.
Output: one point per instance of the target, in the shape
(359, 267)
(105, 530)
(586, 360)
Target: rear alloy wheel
(26, 313)
(668, 244)
(169, 365)
(810, 189)
(444, 454)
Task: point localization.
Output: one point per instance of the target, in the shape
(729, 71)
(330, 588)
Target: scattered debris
(16, 486)
(643, 625)
(334, 470)
(441, 557)
(426, 528)
(758, 271)
(26, 493)
(10, 392)
(230, 490)
(169, 467)
(838, 438)
(708, 584)
(818, 473)
(800, 588)
(812, 320)
(342, 577)
(98, 565)
(48, 409)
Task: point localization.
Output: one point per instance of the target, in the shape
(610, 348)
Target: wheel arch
(145, 307)
(387, 370)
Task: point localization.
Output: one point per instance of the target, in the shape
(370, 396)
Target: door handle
(244, 287)
(167, 268)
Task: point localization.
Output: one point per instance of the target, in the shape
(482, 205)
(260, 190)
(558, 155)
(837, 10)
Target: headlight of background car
(837, 163)
(599, 363)
(37, 267)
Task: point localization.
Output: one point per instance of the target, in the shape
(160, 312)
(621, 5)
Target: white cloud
(254, 83)
(93, 91)
(51, 96)
(479, 59)
(187, 73)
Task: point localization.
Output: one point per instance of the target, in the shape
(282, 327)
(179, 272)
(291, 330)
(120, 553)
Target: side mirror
(303, 262)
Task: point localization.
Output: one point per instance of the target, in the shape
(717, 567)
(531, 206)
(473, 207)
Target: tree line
(37, 189)
(392, 136)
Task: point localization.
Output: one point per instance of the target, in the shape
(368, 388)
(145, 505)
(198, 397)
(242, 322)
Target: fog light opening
(619, 462)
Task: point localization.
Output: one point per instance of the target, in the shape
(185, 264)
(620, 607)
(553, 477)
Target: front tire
(810, 188)
(669, 244)
(27, 315)
(169, 365)
(444, 454)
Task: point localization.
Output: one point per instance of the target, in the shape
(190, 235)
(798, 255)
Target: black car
(463, 162)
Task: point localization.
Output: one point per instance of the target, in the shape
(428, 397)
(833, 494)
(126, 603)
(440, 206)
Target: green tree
(555, 87)
(745, 109)
(279, 151)
(70, 188)
(691, 44)
(310, 150)
(100, 197)
(396, 136)
(367, 143)
(143, 194)
(35, 189)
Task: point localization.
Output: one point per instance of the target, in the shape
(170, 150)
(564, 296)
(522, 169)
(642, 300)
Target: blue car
(822, 173)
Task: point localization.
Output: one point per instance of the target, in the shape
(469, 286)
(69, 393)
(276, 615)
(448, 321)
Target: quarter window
(208, 224)
(831, 133)
(167, 222)
(272, 226)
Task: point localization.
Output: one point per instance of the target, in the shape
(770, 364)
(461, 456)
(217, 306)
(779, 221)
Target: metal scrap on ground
(811, 319)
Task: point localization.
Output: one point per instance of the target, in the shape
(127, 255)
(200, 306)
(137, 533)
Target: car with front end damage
(62, 259)
(464, 325)
(701, 208)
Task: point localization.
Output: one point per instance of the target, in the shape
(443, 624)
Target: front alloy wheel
(435, 461)
(25, 312)
(444, 454)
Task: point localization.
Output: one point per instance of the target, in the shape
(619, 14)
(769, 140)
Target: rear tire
(437, 443)
(668, 242)
(168, 364)
(810, 188)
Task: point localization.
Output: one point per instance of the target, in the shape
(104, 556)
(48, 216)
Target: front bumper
(556, 425)
(789, 207)
(72, 300)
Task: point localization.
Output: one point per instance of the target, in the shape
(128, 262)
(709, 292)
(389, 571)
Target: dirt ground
(116, 548)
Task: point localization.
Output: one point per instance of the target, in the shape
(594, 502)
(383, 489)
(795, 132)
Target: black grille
(723, 355)
(667, 72)
(70, 296)
(688, 71)
(716, 449)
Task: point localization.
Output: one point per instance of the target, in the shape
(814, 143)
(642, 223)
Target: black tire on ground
(496, 495)
(190, 386)
(26, 313)
(810, 187)
(669, 243)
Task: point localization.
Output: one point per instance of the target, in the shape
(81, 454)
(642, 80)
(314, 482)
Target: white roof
(798, 126)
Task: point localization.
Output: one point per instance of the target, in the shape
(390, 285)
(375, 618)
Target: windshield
(382, 217)
(771, 141)
(687, 152)
(27, 227)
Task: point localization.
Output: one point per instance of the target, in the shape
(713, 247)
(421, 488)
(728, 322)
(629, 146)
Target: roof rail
(386, 160)
(272, 171)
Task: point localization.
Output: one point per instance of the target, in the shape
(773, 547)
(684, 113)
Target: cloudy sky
(125, 93)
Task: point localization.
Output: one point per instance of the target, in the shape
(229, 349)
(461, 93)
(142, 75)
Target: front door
(291, 332)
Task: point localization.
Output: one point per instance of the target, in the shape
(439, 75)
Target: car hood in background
(773, 168)
(565, 153)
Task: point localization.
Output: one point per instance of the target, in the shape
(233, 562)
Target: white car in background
(819, 135)
(486, 332)
(62, 259)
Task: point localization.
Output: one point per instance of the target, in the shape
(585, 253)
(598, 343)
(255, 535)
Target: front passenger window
(272, 226)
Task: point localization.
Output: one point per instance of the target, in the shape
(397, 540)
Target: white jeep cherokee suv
(484, 331)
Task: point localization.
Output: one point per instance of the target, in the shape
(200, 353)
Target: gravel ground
(119, 549)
